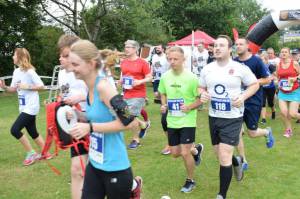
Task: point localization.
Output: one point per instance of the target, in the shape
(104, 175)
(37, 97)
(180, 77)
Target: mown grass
(273, 173)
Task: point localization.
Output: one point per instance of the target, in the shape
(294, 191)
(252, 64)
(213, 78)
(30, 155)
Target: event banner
(287, 15)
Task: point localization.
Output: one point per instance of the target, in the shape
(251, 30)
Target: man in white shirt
(221, 85)
(200, 56)
(272, 57)
(159, 66)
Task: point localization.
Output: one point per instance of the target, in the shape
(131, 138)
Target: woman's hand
(79, 130)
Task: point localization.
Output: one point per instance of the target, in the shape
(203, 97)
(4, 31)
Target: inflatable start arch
(270, 24)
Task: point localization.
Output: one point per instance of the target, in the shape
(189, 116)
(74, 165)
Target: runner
(179, 95)
(26, 83)
(220, 83)
(72, 91)
(108, 173)
(253, 105)
(135, 73)
(289, 92)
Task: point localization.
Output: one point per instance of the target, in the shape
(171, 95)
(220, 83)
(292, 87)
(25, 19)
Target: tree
(44, 50)
(214, 17)
(19, 21)
(129, 19)
(68, 13)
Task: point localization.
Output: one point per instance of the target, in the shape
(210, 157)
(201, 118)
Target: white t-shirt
(70, 86)
(274, 61)
(160, 65)
(199, 60)
(224, 83)
(29, 101)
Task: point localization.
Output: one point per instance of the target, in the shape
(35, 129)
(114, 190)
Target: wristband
(91, 127)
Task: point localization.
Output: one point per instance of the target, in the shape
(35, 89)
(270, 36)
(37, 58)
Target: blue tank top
(107, 151)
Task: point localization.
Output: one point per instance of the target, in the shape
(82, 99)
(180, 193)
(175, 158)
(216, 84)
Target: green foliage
(44, 50)
(214, 17)
(129, 19)
(19, 21)
(291, 45)
(273, 42)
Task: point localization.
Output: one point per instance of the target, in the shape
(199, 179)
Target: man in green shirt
(179, 96)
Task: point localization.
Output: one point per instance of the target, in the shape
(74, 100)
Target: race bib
(221, 104)
(96, 149)
(157, 75)
(127, 82)
(21, 100)
(174, 107)
(285, 86)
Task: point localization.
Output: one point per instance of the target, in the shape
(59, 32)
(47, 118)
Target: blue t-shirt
(270, 70)
(257, 67)
(107, 151)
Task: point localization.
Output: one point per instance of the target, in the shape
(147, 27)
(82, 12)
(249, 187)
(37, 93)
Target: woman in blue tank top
(108, 173)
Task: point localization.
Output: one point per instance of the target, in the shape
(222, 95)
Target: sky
(280, 4)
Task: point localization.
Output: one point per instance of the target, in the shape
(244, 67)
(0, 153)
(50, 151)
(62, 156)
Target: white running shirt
(224, 83)
(29, 101)
(160, 65)
(70, 86)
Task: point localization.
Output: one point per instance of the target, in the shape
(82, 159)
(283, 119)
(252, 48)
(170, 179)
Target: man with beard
(159, 66)
(253, 105)
(210, 50)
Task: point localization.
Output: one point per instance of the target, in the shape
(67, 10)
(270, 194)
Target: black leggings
(268, 95)
(114, 185)
(27, 121)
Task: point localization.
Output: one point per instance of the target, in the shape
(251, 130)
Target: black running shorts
(225, 130)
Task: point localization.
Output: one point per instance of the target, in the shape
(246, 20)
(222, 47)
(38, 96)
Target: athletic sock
(235, 161)
(134, 185)
(225, 179)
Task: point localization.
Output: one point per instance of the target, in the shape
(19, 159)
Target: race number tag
(284, 85)
(174, 107)
(157, 75)
(96, 151)
(22, 100)
(127, 82)
(221, 104)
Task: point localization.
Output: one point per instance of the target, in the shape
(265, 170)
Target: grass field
(273, 173)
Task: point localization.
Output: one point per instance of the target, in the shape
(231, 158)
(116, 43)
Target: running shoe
(30, 158)
(263, 121)
(270, 140)
(188, 186)
(238, 170)
(134, 144)
(166, 151)
(143, 131)
(198, 157)
(219, 197)
(245, 166)
(46, 156)
(288, 133)
(136, 193)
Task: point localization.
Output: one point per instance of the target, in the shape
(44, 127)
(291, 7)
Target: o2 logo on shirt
(222, 103)
(219, 89)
